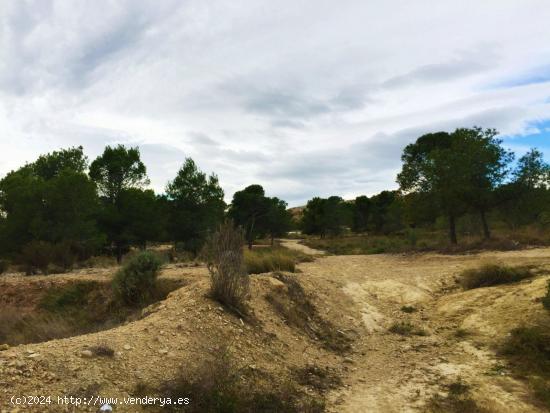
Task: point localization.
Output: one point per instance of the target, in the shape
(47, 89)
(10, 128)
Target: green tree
(197, 205)
(120, 176)
(325, 216)
(249, 209)
(278, 218)
(52, 164)
(361, 213)
(118, 168)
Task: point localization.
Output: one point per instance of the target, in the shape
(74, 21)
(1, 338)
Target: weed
(229, 281)
(408, 309)
(405, 328)
(102, 350)
(321, 379)
(493, 274)
(457, 400)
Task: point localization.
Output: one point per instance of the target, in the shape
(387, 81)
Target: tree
(52, 164)
(361, 213)
(197, 205)
(325, 216)
(278, 219)
(458, 171)
(382, 218)
(117, 169)
(50, 200)
(119, 174)
(532, 171)
(249, 209)
(430, 166)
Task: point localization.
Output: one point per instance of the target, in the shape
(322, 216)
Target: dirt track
(361, 295)
(398, 374)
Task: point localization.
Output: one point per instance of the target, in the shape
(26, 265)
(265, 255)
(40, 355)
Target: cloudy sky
(304, 97)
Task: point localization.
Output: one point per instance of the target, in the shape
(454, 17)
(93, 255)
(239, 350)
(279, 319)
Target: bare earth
(361, 295)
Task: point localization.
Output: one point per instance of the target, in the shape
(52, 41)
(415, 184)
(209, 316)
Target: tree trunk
(272, 240)
(118, 254)
(452, 229)
(486, 232)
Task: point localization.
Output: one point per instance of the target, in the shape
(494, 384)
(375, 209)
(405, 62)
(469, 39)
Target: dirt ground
(361, 296)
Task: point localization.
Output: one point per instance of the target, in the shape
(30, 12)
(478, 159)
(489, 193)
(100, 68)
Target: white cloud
(304, 97)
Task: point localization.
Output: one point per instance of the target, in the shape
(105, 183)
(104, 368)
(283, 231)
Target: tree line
(62, 207)
(446, 176)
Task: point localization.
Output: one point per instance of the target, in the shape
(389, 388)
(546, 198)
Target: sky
(307, 98)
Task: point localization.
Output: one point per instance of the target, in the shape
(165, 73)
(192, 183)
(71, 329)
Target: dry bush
(102, 350)
(230, 282)
(320, 379)
(405, 328)
(493, 274)
(269, 259)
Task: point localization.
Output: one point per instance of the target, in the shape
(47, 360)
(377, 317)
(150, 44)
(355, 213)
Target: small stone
(33, 355)
(86, 353)
(127, 347)
(163, 351)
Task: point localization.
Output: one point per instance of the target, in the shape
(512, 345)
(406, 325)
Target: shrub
(102, 350)
(529, 349)
(405, 328)
(408, 309)
(493, 274)
(135, 282)
(229, 281)
(36, 255)
(63, 255)
(457, 400)
(263, 260)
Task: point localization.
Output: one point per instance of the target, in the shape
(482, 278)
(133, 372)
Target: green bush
(493, 274)
(135, 282)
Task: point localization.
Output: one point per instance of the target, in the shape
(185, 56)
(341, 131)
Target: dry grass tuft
(494, 274)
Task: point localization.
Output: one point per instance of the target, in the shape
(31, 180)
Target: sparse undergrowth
(405, 328)
(67, 310)
(494, 274)
(408, 309)
(269, 259)
(528, 352)
(457, 400)
(297, 309)
(320, 379)
(221, 386)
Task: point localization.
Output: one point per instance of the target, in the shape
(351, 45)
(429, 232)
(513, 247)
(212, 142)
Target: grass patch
(297, 310)
(528, 352)
(405, 328)
(72, 309)
(221, 386)
(277, 258)
(102, 350)
(408, 309)
(461, 333)
(494, 274)
(457, 400)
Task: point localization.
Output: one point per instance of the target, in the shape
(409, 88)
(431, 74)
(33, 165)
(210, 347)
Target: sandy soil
(361, 295)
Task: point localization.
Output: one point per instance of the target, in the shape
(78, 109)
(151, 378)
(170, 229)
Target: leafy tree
(532, 171)
(249, 209)
(50, 200)
(120, 176)
(362, 208)
(382, 216)
(52, 164)
(430, 166)
(278, 218)
(325, 216)
(197, 205)
(118, 168)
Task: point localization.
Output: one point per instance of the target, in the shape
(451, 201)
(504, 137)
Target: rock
(127, 347)
(86, 353)
(33, 355)
(163, 351)
(4, 347)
